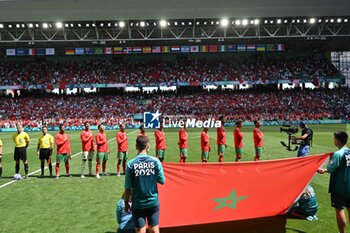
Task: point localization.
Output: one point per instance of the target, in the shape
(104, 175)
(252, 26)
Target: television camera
(290, 130)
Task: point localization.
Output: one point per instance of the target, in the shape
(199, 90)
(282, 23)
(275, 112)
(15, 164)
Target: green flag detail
(230, 201)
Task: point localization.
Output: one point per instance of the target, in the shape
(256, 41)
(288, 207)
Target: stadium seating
(113, 109)
(185, 69)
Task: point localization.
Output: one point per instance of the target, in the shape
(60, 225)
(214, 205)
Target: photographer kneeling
(305, 140)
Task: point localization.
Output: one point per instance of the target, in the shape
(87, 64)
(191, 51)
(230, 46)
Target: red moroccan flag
(220, 192)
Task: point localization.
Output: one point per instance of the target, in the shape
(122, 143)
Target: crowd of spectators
(113, 109)
(183, 69)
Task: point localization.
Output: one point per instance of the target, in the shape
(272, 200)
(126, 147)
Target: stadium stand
(293, 104)
(185, 69)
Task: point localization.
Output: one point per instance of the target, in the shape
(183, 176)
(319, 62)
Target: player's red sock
(184, 159)
(97, 168)
(221, 158)
(57, 168)
(67, 168)
(180, 161)
(124, 166)
(103, 166)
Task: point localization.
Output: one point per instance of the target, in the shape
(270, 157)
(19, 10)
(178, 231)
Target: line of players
(46, 143)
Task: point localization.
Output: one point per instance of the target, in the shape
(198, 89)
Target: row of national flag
(177, 49)
(148, 49)
(30, 52)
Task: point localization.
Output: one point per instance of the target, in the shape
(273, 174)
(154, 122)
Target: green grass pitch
(88, 205)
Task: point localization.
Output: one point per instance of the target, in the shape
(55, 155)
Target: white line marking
(13, 181)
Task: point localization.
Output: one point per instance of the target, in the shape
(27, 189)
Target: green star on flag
(230, 201)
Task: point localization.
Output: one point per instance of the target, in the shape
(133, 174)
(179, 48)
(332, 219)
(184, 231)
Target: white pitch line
(13, 181)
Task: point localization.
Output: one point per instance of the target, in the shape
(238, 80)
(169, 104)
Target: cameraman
(305, 140)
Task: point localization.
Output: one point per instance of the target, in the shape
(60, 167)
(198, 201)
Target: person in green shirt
(339, 185)
(141, 178)
(306, 207)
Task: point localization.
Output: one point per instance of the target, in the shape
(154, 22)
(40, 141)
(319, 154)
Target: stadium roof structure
(85, 10)
(26, 22)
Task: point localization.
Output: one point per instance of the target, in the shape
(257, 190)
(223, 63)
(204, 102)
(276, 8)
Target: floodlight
(238, 22)
(256, 21)
(1, 25)
(45, 25)
(224, 22)
(312, 20)
(59, 25)
(279, 21)
(245, 22)
(121, 24)
(163, 23)
(142, 24)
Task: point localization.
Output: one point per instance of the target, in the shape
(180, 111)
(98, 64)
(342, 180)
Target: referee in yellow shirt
(45, 146)
(0, 158)
(21, 140)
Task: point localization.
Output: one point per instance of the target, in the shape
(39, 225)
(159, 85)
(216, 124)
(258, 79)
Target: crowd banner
(202, 193)
(168, 84)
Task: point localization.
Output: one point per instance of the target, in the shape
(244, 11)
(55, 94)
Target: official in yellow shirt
(21, 140)
(45, 146)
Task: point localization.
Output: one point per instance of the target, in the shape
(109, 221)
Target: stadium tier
(113, 109)
(172, 71)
